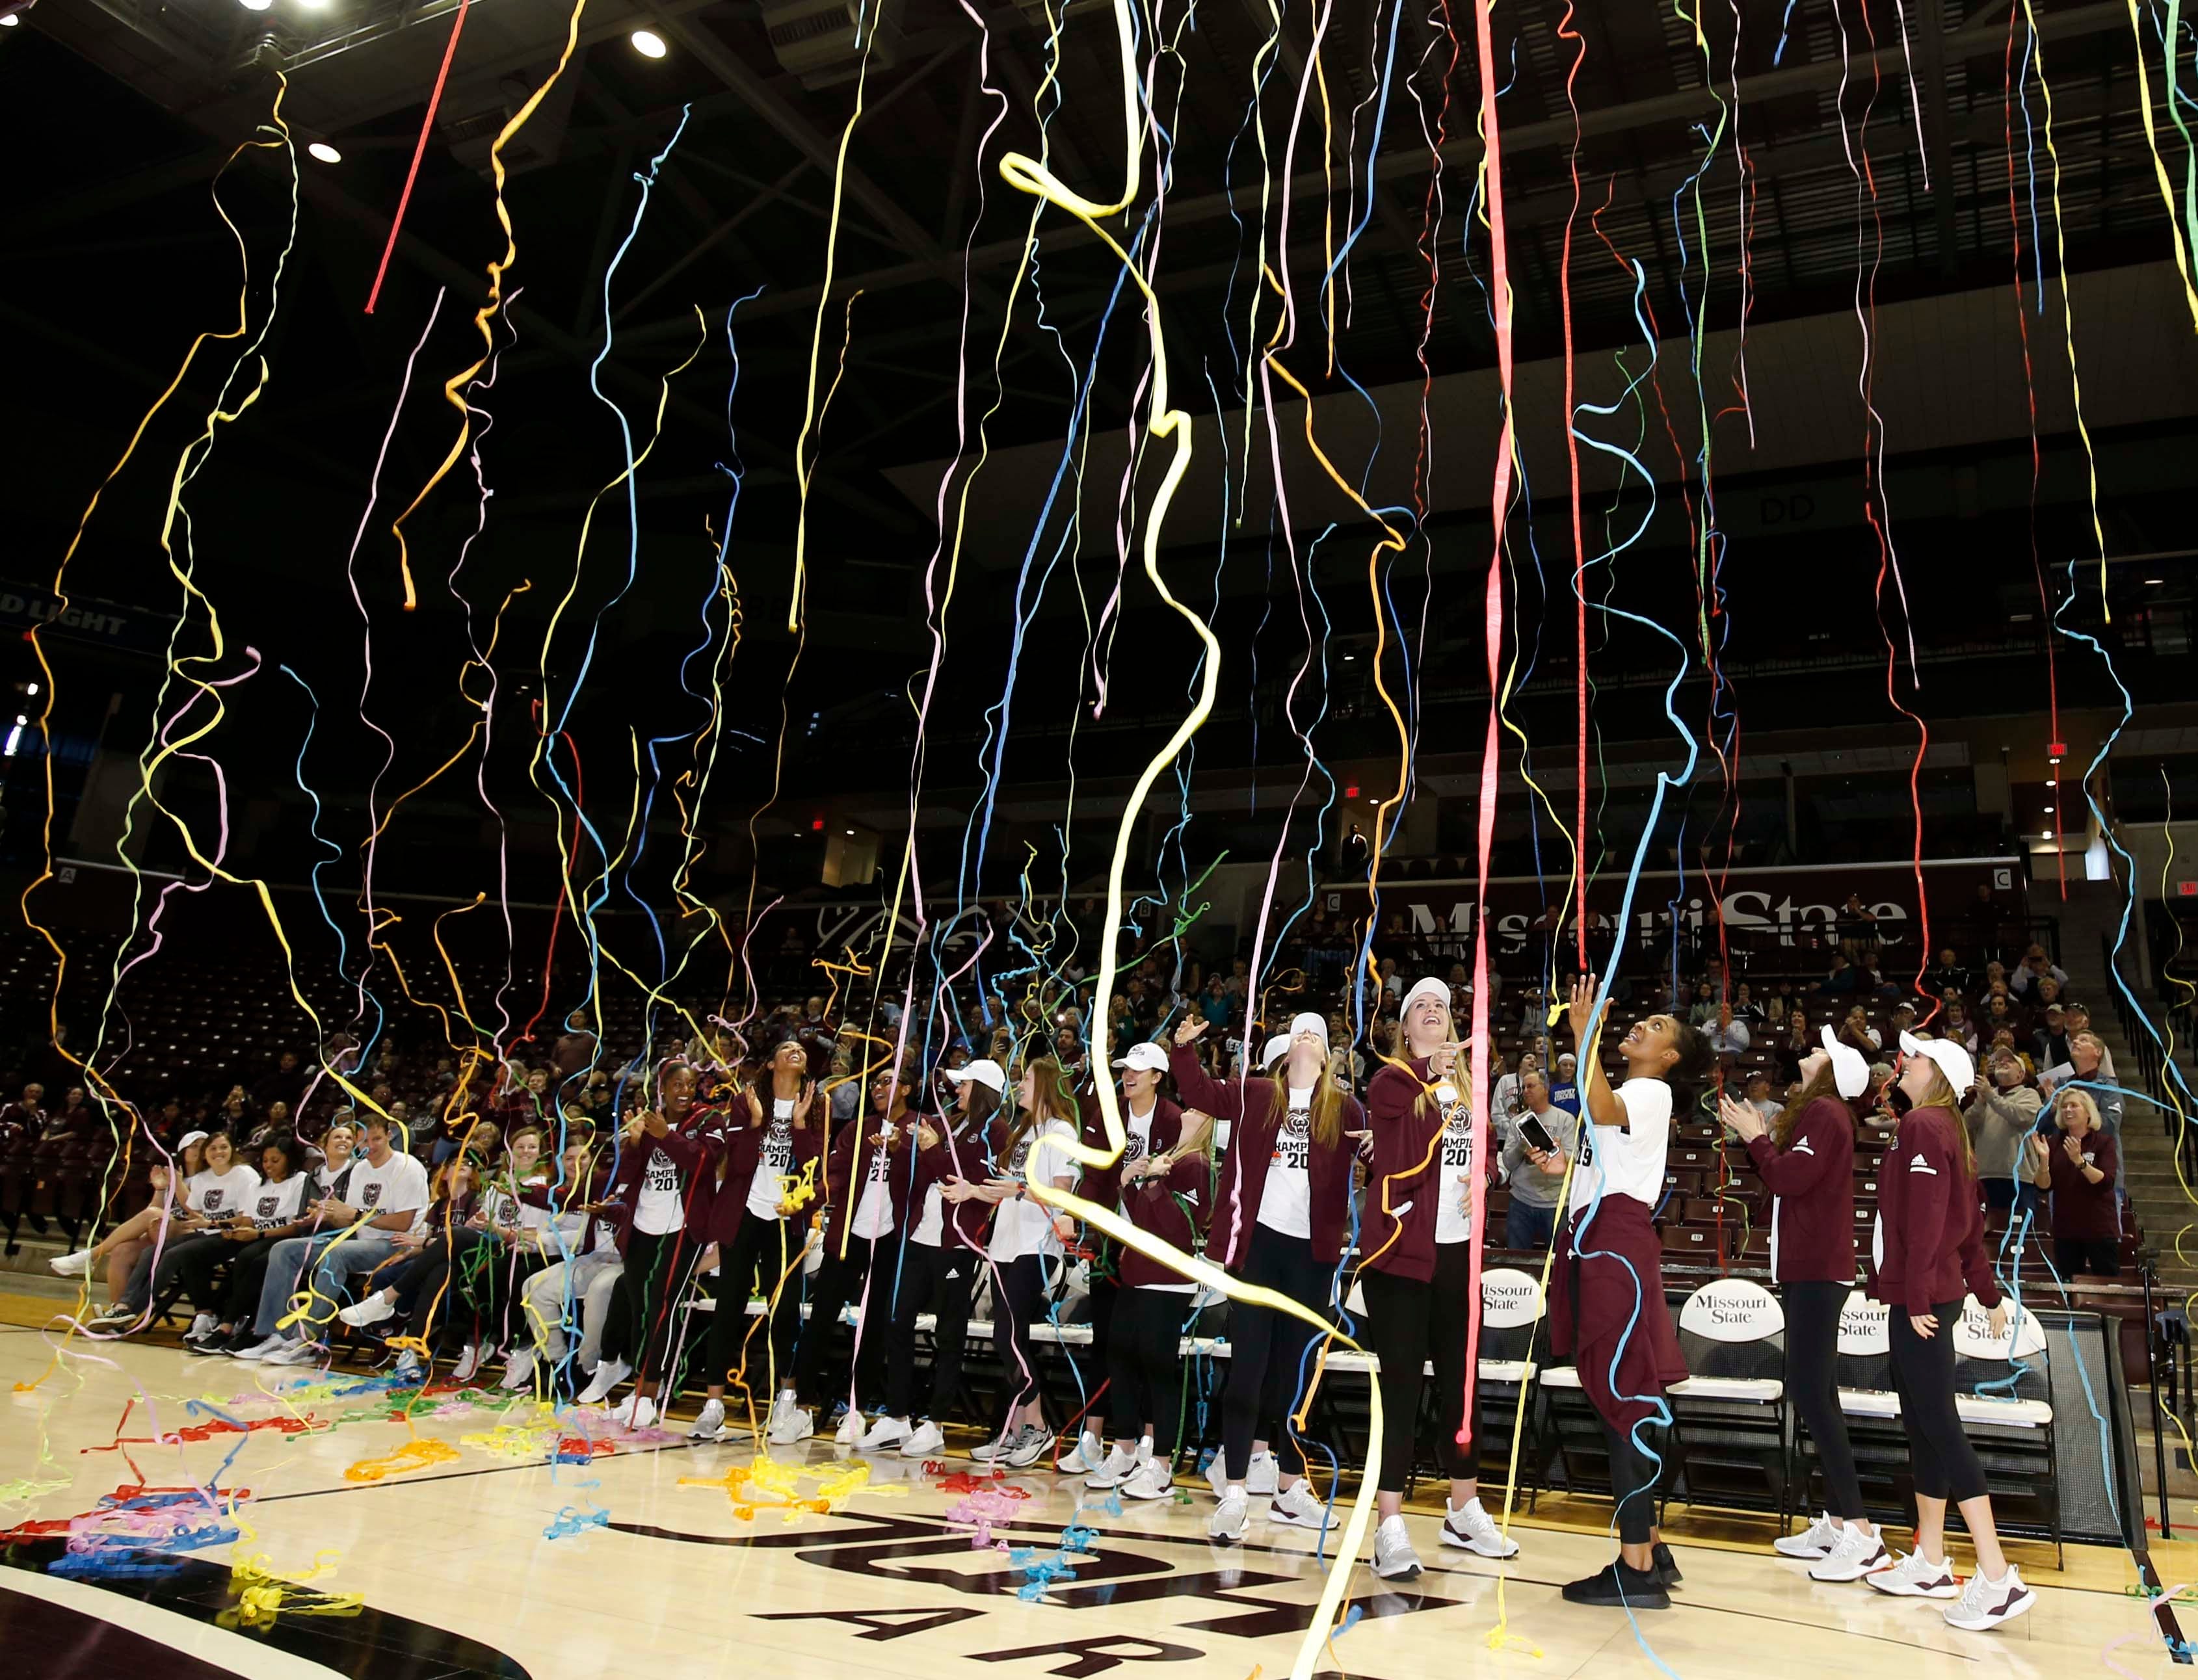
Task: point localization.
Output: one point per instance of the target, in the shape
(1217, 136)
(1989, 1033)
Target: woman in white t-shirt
(1025, 1249)
(211, 1194)
(1606, 1309)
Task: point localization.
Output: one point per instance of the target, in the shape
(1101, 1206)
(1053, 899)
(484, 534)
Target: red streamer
(427, 127)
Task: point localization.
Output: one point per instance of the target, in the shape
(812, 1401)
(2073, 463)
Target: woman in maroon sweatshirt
(1167, 1194)
(760, 1232)
(1153, 1125)
(1806, 1157)
(1278, 1221)
(1929, 1246)
(661, 1187)
(866, 1169)
(1416, 1275)
(936, 1268)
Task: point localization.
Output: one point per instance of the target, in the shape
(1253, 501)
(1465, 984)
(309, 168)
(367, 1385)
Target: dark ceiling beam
(1937, 124)
(1464, 155)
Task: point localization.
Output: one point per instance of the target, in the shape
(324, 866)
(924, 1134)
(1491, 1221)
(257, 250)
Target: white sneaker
(1084, 1458)
(1117, 1469)
(373, 1310)
(1266, 1474)
(1854, 1555)
(710, 1426)
(261, 1350)
(1150, 1480)
(1986, 1605)
(518, 1370)
(1394, 1560)
(1470, 1526)
(1229, 1517)
(789, 1423)
(71, 1266)
(887, 1433)
(929, 1439)
(1031, 1443)
(1913, 1577)
(201, 1324)
(636, 1411)
(408, 1368)
(297, 1353)
(985, 1452)
(1298, 1506)
(1818, 1541)
(476, 1355)
(851, 1428)
(608, 1376)
(1214, 1477)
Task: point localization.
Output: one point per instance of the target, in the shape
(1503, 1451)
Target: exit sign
(2186, 889)
(2058, 749)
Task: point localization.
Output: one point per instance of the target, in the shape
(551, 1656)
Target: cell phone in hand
(1537, 1135)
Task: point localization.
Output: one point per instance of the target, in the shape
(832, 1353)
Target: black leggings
(1633, 1474)
(247, 1271)
(1944, 1463)
(1266, 1347)
(1144, 1366)
(1812, 1379)
(762, 1252)
(1409, 1324)
(2093, 1257)
(838, 1283)
(645, 1296)
(188, 1267)
(1018, 1303)
(925, 1278)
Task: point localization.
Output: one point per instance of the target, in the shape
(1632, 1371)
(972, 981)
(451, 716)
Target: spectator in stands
(1856, 926)
(2035, 965)
(286, 1085)
(1999, 1012)
(576, 1047)
(1218, 1005)
(2078, 1167)
(1704, 1009)
(1805, 1155)
(385, 1193)
(1536, 1176)
(2086, 1062)
(1728, 1036)
(1746, 1008)
(1946, 974)
(1844, 980)
(2000, 1111)
(1757, 1095)
(1857, 1034)
(2048, 1044)
(1779, 1003)
(2077, 1018)
(1956, 1026)
(1503, 1103)
(1564, 1090)
(1794, 1046)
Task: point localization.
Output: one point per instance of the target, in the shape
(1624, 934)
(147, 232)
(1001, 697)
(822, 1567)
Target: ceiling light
(13, 18)
(324, 152)
(2154, 583)
(649, 43)
(2049, 810)
(312, 5)
(851, 834)
(256, 5)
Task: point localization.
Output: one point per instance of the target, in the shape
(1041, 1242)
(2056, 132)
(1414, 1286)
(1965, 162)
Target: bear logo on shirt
(213, 1200)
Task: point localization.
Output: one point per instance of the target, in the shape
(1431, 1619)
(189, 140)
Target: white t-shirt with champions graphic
(774, 1160)
(874, 1213)
(1454, 1167)
(1286, 1203)
(659, 1210)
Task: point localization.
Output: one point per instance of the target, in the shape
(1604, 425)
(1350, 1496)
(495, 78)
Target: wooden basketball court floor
(456, 1577)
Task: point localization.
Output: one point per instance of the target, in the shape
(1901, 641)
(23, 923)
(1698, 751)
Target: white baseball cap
(1429, 987)
(1147, 1055)
(189, 1138)
(1953, 1061)
(1277, 1048)
(986, 1072)
(1850, 1073)
(1310, 1022)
